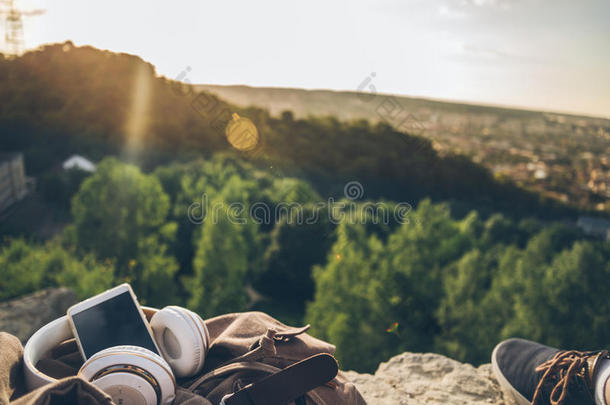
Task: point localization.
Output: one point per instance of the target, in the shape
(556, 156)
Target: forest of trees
(475, 261)
(432, 282)
(61, 100)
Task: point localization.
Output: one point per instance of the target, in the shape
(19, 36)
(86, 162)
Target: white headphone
(131, 374)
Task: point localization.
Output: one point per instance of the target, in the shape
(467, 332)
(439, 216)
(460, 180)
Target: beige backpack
(245, 348)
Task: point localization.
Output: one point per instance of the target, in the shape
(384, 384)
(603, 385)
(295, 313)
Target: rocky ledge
(25, 315)
(426, 379)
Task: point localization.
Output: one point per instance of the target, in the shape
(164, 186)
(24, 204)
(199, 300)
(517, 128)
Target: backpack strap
(232, 368)
(288, 384)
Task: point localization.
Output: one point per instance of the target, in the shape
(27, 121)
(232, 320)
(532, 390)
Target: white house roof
(79, 162)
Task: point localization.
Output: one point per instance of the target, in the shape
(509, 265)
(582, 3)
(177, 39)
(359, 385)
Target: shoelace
(561, 370)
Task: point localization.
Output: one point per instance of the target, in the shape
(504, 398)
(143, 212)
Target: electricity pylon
(13, 26)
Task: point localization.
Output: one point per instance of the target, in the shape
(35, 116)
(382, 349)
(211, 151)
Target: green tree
(221, 264)
(576, 302)
(505, 291)
(120, 214)
(296, 245)
(376, 299)
(566, 289)
(86, 277)
(468, 330)
(21, 272)
(352, 297)
(27, 268)
(420, 252)
(524, 284)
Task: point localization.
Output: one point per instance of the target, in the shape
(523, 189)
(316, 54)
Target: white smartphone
(112, 318)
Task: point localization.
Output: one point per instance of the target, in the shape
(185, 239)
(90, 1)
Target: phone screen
(114, 322)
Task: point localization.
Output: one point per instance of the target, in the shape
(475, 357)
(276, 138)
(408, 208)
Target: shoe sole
(516, 395)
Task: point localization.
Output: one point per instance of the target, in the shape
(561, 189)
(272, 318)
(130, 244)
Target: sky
(540, 54)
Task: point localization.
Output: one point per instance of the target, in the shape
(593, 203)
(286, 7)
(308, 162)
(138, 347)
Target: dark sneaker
(540, 375)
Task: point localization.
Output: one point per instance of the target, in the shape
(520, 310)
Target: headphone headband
(46, 339)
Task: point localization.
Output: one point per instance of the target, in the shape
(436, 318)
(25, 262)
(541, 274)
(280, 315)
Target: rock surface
(25, 315)
(418, 379)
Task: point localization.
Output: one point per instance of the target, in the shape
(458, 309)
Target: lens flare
(138, 118)
(242, 133)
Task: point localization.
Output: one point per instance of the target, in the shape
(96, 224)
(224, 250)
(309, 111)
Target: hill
(62, 100)
(560, 155)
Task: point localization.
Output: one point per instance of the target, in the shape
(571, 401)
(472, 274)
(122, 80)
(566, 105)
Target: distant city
(560, 156)
(564, 157)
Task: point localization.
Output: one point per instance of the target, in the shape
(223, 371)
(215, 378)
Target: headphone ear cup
(131, 374)
(182, 338)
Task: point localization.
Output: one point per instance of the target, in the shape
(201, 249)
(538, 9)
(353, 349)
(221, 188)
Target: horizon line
(513, 107)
